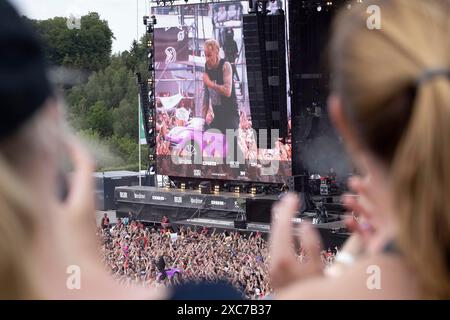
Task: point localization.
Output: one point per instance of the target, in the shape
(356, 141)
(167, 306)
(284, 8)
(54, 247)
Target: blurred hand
(78, 208)
(284, 267)
(366, 219)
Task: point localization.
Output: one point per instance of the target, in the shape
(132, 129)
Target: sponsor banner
(178, 199)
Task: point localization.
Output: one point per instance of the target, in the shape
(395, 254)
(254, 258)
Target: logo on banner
(178, 199)
(197, 173)
(217, 203)
(171, 55)
(139, 196)
(123, 195)
(196, 201)
(159, 198)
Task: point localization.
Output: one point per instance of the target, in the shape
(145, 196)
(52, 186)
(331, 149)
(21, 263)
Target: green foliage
(87, 48)
(126, 119)
(104, 109)
(99, 119)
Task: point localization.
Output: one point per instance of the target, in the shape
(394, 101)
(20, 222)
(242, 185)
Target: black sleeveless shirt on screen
(225, 109)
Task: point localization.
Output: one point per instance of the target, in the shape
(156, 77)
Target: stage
(221, 211)
(151, 204)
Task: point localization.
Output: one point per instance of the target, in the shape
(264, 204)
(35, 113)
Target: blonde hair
(403, 122)
(213, 44)
(18, 209)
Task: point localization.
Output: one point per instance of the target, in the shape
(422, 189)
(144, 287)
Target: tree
(126, 119)
(100, 119)
(87, 48)
(103, 108)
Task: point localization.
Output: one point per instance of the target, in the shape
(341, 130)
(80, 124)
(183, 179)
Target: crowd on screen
(165, 121)
(134, 253)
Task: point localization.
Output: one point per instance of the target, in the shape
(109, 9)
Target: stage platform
(151, 204)
(218, 211)
(177, 197)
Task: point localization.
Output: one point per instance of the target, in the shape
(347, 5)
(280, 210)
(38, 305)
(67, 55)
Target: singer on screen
(220, 108)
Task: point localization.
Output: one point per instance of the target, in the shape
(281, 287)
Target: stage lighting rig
(147, 90)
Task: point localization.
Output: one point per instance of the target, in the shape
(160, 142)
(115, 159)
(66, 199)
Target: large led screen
(203, 118)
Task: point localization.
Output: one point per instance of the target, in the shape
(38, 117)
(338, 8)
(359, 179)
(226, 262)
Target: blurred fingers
(312, 246)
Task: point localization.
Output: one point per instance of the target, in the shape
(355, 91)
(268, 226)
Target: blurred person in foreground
(48, 244)
(390, 102)
(44, 237)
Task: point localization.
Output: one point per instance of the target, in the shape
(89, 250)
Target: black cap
(24, 85)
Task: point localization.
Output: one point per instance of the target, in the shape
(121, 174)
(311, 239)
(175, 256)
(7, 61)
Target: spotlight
(319, 8)
(237, 189)
(329, 3)
(253, 190)
(183, 186)
(217, 188)
(151, 157)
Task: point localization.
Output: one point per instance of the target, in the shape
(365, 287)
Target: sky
(124, 16)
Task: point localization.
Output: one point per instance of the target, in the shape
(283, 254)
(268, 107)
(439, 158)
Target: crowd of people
(137, 255)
